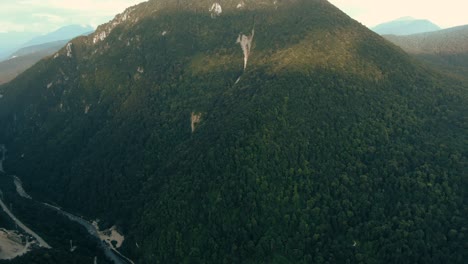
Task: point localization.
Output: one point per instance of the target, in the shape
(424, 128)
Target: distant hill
(49, 48)
(25, 58)
(11, 41)
(67, 32)
(405, 26)
(32, 51)
(447, 49)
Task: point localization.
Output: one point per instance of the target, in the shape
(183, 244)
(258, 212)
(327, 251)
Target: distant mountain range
(9, 42)
(405, 26)
(447, 49)
(25, 58)
(37, 48)
(13, 41)
(67, 32)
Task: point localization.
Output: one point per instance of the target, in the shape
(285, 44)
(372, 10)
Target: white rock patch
(195, 119)
(19, 188)
(69, 50)
(241, 5)
(246, 44)
(216, 10)
(99, 37)
(12, 244)
(106, 30)
(112, 234)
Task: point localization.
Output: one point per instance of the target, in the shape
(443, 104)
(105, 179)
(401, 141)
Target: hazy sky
(46, 15)
(446, 13)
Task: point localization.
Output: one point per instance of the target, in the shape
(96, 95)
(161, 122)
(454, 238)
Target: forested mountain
(243, 131)
(405, 26)
(447, 49)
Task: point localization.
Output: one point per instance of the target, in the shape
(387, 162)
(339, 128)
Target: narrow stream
(26, 229)
(110, 252)
(113, 255)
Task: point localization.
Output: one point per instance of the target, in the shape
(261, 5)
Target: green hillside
(446, 49)
(333, 146)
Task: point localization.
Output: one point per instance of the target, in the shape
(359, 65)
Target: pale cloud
(447, 13)
(47, 15)
(97, 6)
(50, 18)
(6, 26)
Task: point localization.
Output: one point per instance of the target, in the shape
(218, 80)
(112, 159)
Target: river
(26, 229)
(111, 253)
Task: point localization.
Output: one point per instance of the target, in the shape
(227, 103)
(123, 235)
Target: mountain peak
(405, 26)
(63, 33)
(211, 8)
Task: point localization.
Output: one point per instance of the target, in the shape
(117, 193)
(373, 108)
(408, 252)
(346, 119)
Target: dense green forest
(333, 147)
